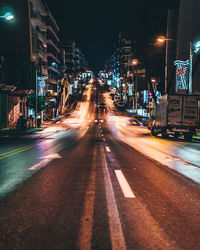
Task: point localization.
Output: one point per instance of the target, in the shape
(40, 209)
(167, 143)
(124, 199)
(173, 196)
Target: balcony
(37, 20)
(42, 38)
(53, 20)
(53, 69)
(36, 56)
(53, 32)
(53, 57)
(52, 81)
(53, 45)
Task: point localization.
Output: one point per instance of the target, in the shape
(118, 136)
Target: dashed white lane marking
(116, 233)
(126, 189)
(101, 121)
(85, 234)
(108, 149)
(95, 121)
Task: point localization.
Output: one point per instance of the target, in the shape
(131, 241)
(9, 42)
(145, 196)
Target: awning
(7, 88)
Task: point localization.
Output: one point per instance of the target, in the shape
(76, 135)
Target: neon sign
(182, 75)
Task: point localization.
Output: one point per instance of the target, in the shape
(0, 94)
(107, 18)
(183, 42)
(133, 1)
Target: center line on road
(116, 233)
(126, 189)
(16, 151)
(85, 234)
(108, 149)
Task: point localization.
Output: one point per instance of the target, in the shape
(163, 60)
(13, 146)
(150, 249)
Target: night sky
(94, 25)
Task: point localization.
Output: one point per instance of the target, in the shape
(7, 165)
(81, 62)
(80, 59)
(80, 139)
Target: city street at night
(100, 125)
(84, 184)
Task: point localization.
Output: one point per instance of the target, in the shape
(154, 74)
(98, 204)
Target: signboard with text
(130, 89)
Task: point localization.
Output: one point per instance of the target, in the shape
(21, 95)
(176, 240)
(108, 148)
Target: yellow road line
(16, 152)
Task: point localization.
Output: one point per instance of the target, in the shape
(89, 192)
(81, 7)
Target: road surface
(90, 182)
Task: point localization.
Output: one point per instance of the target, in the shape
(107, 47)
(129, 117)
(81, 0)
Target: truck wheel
(164, 134)
(153, 132)
(177, 134)
(188, 136)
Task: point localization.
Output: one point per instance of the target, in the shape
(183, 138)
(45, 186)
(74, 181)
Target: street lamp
(7, 14)
(161, 40)
(135, 63)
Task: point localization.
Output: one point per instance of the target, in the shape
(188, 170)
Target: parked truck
(176, 115)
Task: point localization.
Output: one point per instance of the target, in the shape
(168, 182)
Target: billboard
(182, 76)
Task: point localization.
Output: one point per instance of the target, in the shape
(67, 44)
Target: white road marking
(52, 156)
(85, 234)
(108, 149)
(126, 189)
(46, 160)
(116, 233)
(101, 121)
(95, 121)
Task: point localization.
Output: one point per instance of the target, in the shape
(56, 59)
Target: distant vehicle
(176, 115)
(134, 122)
(102, 106)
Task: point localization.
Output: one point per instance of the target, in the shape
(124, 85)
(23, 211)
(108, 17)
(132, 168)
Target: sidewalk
(7, 132)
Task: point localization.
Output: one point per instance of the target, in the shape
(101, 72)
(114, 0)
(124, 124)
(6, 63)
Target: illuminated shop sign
(182, 75)
(130, 89)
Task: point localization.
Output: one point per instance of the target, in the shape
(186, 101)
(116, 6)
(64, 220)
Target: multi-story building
(74, 59)
(127, 52)
(69, 47)
(23, 47)
(53, 65)
(38, 41)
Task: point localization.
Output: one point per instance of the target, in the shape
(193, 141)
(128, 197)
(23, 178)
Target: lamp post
(8, 17)
(7, 14)
(134, 63)
(162, 39)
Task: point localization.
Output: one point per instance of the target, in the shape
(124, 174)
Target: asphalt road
(95, 192)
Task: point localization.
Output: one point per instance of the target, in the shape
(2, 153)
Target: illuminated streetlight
(161, 39)
(135, 62)
(7, 14)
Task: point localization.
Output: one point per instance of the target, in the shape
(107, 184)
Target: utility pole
(190, 75)
(36, 92)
